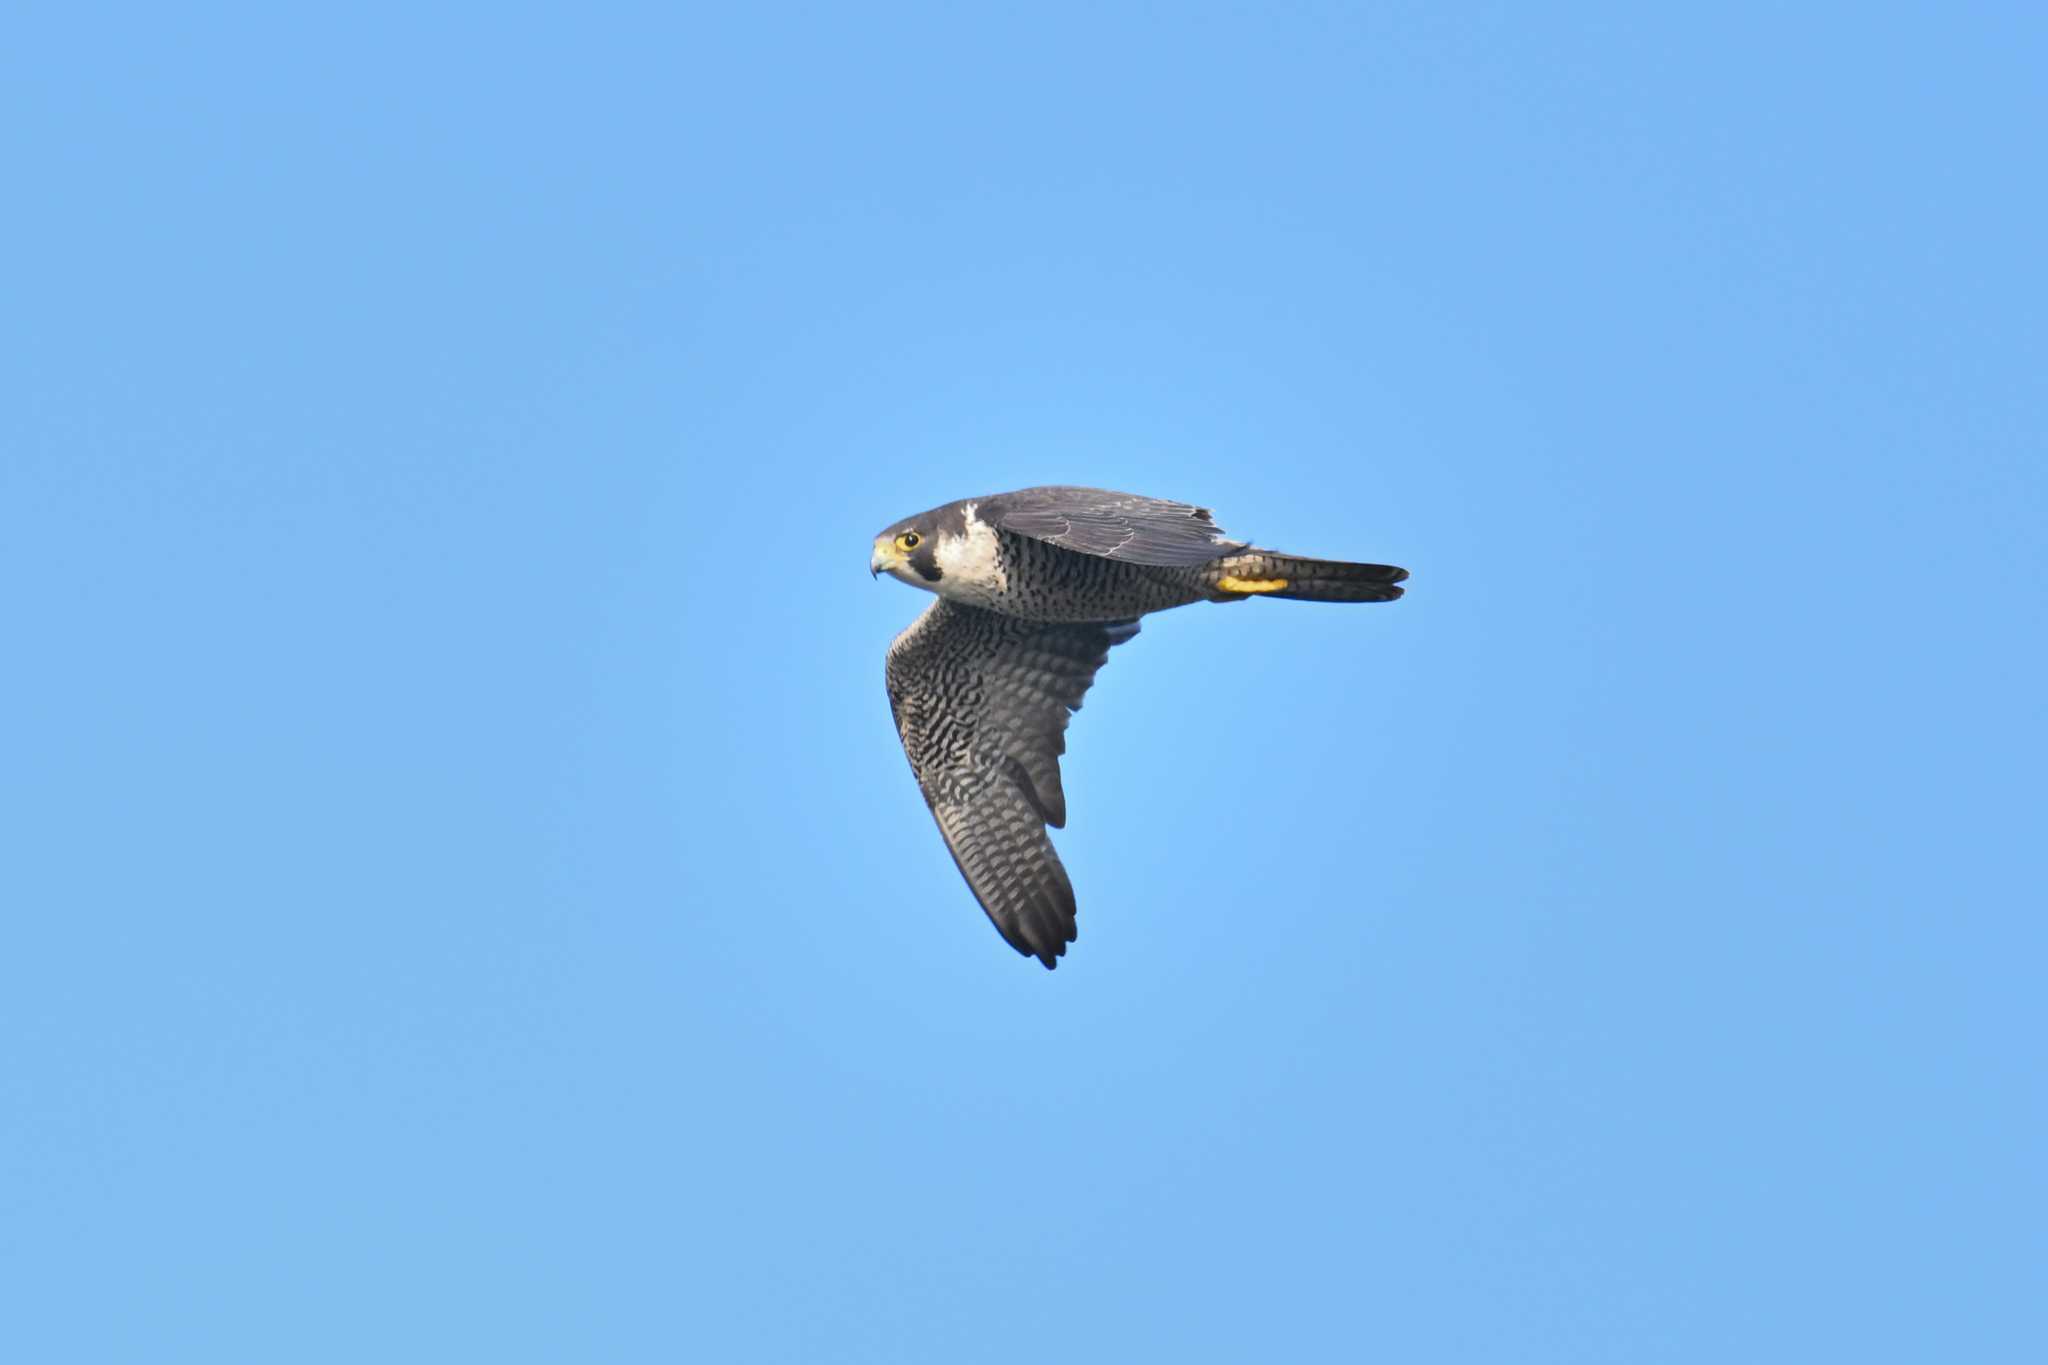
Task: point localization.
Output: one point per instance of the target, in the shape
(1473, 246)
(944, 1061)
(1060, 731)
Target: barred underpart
(981, 701)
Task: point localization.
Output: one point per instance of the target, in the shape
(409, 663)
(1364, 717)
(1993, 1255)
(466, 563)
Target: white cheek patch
(971, 566)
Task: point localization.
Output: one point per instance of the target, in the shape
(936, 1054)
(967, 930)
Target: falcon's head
(948, 550)
(909, 551)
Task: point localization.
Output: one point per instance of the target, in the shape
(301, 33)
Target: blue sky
(465, 899)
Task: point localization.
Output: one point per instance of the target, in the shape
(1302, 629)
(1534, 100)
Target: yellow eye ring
(908, 541)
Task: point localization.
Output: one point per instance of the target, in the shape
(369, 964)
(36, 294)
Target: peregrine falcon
(1034, 588)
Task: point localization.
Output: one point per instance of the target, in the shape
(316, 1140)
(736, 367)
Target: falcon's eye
(909, 540)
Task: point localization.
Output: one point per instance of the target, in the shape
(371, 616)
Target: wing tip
(1044, 927)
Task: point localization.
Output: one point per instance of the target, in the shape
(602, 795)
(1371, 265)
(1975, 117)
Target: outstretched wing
(981, 701)
(1122, 526)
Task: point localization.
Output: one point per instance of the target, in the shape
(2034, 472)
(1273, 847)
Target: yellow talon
(1232, 583)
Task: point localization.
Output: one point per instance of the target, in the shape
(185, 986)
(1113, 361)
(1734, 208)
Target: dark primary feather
(1122, 526)
(981, 701)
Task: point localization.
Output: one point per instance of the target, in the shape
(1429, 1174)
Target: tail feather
(1265, 573)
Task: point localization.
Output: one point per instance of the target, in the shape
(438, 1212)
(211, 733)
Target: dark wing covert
(1095, 521)
(981, 701)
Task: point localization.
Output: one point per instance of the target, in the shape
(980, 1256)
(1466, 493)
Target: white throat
(970, 565)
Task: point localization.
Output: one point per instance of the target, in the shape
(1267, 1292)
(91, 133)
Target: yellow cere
(1231, 583)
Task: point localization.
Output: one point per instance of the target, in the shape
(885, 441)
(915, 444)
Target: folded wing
(1122, 526)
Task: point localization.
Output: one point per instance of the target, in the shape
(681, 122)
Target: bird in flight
(1034, 588)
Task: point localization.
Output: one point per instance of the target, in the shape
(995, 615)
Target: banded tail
(1265, 573)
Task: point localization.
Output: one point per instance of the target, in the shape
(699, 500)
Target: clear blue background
(463, 896)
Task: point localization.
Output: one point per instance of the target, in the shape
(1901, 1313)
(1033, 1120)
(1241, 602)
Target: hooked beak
(883, 556)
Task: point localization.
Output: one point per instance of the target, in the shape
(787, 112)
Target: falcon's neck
(971, 563)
